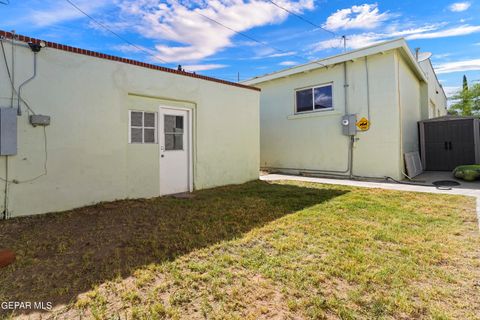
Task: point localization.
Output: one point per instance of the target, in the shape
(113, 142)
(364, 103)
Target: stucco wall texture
(89, 157)
(397, 98)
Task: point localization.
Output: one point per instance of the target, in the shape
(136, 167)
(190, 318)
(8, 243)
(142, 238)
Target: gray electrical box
(8, 131)
(349, 124)
(39, 120)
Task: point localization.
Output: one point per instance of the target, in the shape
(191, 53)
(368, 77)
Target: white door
(175, 150)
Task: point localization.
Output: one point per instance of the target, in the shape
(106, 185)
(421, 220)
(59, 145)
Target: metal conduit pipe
(367, 76)
(19, 109)
(11, 75)
(349, 168)
(326, 172)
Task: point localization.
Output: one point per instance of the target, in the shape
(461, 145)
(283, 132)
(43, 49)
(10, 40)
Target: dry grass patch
(284, 250)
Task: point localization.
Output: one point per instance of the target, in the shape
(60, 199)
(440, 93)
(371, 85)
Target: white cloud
(457, 66)
(182, 34)
(366, 16)
(283, 54)
(126, 48)
(288, 63)
(450, 91)
(395, 32)
(442, 56)
(452, 32)
(56, 12)
(266, 53)
(203, 67)
(356, 41)
(459, 6)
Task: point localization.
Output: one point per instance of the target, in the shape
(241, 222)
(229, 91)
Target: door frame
(189, 143)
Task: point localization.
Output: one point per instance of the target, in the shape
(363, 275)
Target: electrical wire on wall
(20, 99)
(11, 79)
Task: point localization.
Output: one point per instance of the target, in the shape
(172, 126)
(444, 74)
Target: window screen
(316, 98)
(173, 130)
(143, 127)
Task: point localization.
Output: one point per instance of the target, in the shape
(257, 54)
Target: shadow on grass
(63, 254)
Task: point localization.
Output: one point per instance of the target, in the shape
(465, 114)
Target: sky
(234, 39)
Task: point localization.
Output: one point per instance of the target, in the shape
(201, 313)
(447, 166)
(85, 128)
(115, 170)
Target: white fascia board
(352, 55)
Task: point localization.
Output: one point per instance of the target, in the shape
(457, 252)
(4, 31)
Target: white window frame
(313, 98)
(130, 127)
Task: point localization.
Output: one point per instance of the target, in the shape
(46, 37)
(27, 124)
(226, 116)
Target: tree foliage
(467, 100)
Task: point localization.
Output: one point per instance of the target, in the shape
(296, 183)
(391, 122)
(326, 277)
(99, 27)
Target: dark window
(316, 98)
(143, 127)
(136, 135)
(304, 100)
(136, 119)
(148, 135)
(149, 119)
(173, 130)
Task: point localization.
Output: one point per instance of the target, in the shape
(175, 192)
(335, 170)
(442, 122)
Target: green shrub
(468, 172)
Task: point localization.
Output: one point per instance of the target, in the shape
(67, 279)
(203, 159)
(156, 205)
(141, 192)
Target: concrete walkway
(472, 192)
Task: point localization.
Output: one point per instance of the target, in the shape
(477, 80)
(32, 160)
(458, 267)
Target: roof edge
(436, 78)
(58, 46)
(394, 44)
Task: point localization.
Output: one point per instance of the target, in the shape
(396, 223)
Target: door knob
(162, 156)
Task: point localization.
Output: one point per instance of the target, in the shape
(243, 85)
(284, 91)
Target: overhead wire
(247, 36)
(114, 33)
(342, 38)
(243, 34)
(302, 18)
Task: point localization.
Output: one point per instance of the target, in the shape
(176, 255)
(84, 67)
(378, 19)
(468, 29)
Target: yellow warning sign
(363, 124)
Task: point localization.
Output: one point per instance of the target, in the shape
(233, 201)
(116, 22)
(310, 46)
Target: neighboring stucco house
(304, 112)
(437, 100)
(118, 129)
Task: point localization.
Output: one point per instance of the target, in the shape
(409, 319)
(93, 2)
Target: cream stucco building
(304, 112)
(118, 129)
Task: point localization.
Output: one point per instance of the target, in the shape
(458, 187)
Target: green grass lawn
(283, 250)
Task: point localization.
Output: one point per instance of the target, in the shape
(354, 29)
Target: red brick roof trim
(9, 35)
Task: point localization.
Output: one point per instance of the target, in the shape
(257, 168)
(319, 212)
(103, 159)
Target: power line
(235, 31)
(248, 36)
(302, 18)
(113, 32)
